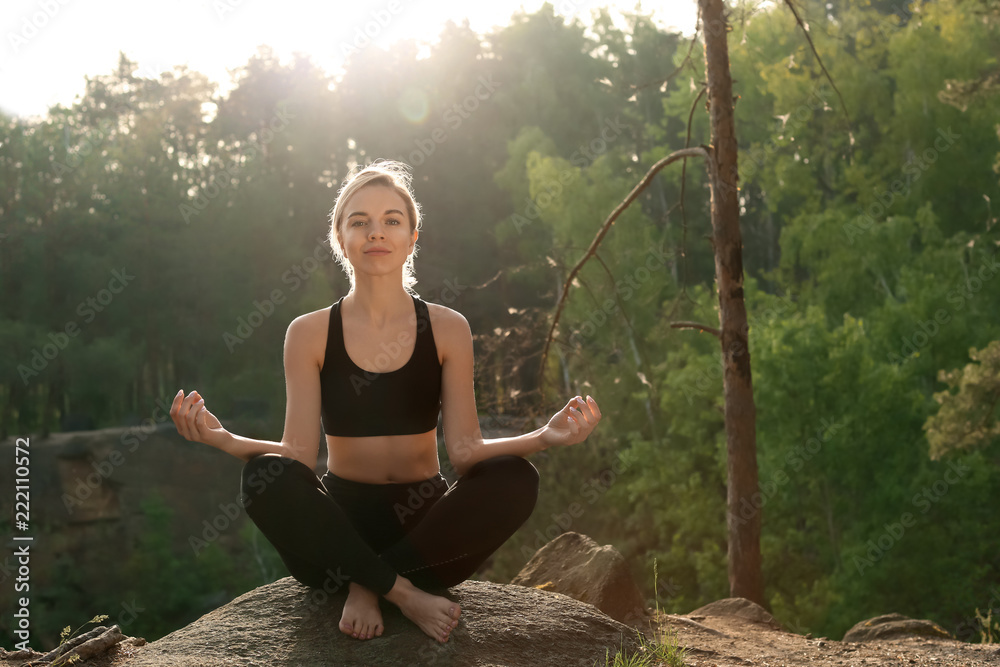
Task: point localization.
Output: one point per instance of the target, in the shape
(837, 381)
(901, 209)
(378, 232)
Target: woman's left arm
(462, 436)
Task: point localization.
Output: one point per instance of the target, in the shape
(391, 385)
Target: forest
(158, 234)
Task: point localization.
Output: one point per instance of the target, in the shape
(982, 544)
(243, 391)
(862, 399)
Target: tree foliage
(157, 234)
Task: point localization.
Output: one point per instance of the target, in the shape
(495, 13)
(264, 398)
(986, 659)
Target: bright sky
(48, 46)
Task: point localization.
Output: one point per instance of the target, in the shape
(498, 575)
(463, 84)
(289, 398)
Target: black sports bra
(356, 402)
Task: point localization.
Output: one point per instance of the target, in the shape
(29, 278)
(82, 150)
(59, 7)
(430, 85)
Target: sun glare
(50, 47)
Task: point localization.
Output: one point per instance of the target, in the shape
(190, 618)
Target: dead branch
(819, 60)
(70, 644)
(700, 327)
(92, 643)
(697, 151)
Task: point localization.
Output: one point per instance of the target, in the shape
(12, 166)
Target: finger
(593, 406)
(589, 408)
(175, 411)
(192, 417)
(199, 415)
(183, 423)
(185, 405)
(190, 401)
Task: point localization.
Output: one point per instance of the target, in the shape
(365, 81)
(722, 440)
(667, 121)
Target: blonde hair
(389, 173)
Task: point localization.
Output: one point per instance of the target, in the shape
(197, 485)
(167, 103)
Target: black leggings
(340, 530)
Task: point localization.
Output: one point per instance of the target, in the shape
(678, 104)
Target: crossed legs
(374, 537)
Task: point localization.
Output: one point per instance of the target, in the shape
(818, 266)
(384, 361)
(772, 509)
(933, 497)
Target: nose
(376, 232)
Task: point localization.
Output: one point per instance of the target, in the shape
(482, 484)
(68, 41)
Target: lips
(377, 251)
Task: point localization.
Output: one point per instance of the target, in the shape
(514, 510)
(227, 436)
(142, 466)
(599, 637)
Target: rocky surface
(738, 607)
(281, 625)
(720, 640)
(287, 624)
(577, 566)
(893, 625)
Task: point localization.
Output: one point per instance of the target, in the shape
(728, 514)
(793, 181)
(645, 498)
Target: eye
(393, 220)
(357, 221)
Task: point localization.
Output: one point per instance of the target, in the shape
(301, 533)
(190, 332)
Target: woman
(376, 368)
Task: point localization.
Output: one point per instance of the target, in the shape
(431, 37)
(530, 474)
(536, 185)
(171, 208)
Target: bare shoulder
(451, 330)
(309, 331)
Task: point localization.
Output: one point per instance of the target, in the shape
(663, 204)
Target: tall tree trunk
(743, 515)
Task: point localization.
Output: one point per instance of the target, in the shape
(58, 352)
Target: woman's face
(375, 232)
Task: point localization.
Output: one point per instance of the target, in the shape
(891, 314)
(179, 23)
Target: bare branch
(646, 180)
(695, 325)
(687, 60)
(819, 60)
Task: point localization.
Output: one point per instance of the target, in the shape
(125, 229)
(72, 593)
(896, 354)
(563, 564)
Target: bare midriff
(384, 459)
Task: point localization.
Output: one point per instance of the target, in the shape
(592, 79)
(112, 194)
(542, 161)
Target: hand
(195, 422)
(572, 424)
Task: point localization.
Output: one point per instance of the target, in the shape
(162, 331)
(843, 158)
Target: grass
(65, 636)
(667, 653)
(989, 628)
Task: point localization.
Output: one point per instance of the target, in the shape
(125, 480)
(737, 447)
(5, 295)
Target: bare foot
(435, 615)
(362, 618)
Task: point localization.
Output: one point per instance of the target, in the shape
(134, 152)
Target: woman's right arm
(300, 440)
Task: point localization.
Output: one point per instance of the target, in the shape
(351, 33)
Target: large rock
(739, 607)
(577, 566)
(893, 625)
(286, 624)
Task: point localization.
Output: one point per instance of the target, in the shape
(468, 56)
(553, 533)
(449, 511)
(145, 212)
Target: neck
(377, 302)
